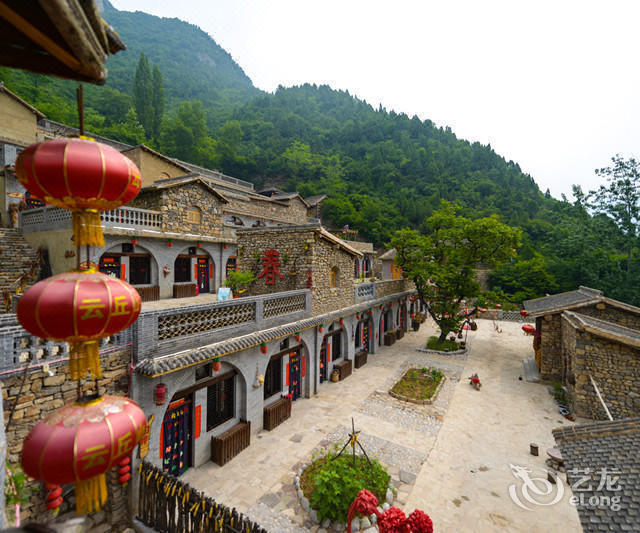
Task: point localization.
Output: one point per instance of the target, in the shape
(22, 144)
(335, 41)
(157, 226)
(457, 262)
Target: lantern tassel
(87, 228)
(91, 494)
(84, 357)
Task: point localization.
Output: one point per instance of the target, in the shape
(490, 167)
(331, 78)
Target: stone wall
(615, 368)
(40, 396)
(384, 288)
(320, 257)
(174, 202)
(551, 334)
(295, 212)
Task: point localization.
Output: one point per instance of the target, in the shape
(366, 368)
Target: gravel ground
(389, 453)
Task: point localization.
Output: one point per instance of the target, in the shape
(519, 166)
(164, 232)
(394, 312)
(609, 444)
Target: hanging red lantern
(170, 243)
(134, 241)
(321, 328)
(124, 471)
(216, 365)
(80, 442)
(523, 313)
(54, 497)
(263, 347)
(79, 308)
(341, 321)
(160, 394)
(198, 245)
(81, 175)
(498, 306)
(358, 316)
(528, 329)
(298, 337)
(413, 315)
(482, 310)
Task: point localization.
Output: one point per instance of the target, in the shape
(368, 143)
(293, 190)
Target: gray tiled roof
(602, 328)
(388, 255)
(564, 300)
(171, 363)
(614, 446)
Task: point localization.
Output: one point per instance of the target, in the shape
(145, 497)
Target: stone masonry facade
(551, 334)
(615, 368)
(320, 256)
(42, 394)
(292, 211)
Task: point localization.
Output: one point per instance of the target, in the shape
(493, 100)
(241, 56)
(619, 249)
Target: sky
(552, 85)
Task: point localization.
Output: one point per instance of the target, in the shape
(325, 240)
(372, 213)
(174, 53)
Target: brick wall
(40, 396)
(294, 211)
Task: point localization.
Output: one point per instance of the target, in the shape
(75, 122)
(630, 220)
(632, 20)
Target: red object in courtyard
(498, 306)
(81, 175)
(216, 366)
(523, 313)
(528, 329)
(263, 347)
(79, 308)
(80, 442)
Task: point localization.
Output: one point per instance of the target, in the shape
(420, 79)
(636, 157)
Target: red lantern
(298, 337)
(482, 310)
(341, 322)
(198, 245)
(358, 316)
(81, 175)
(161, 394)
(80, 442)
(413, 315)
(320, 328)
(528, 329)
(523, 313)
(79, 308)
(498, 306)
(170, 244)
(134, 241)
(216, 366)
(263, 347)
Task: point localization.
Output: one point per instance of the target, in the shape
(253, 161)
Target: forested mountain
(381, 170)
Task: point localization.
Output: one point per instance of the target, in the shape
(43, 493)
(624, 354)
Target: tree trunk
(443, 335)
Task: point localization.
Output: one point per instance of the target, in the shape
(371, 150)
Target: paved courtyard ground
(451, 459)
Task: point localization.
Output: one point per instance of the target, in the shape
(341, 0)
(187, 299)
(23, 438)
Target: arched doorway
(194, 273)
(135, 265)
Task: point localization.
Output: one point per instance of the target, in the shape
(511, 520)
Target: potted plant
(239, 280)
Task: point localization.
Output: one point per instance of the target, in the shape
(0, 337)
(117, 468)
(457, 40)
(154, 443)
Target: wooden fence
(169, 506)
(276, 413)
(227, 445)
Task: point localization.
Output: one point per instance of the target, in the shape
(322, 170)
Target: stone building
(582, 335)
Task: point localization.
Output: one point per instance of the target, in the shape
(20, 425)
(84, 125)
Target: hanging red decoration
(216, 365)
(81, 175)
(169, 243)
(134, 241)
(298, 337)
(270, 264)
(263, 347)
(199, 245)
(79, 308)
(160, 395)
(523, 313)
(80, 442)
(124, 471)
(498, 306)
(54, 497)
(358, 316)
(341, 321)
(528, 329)
(321, 328)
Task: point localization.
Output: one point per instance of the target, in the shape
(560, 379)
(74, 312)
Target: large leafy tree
(620, 199)
(441, 263)
(157, 98)
(143, 95)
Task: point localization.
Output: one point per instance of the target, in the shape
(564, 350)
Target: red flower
(393, 520)
(366, 503)
(420, 522)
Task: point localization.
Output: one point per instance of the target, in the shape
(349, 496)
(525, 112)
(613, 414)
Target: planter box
(148, 294)
(184, 291)
(361, 359)
(227, 445)
(399, 334)
(389, 338)
(276, 413)
(344, 368)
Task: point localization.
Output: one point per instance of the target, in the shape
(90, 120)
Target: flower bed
(419, 385)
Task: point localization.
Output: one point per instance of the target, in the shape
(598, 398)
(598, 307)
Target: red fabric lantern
(161, 394)
(54, 497)
(79, 308)
(523, 313)
(124, 470)
(498, 306)
(263, 347)
(217, 366)
(528, 329)
(341, 321)
(80, 442)
(81, 175)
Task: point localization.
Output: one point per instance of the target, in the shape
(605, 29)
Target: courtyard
(450, 459)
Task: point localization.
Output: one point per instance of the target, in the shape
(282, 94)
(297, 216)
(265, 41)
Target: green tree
(143, 95)
(157, 98)
(620, 200)
(441, 263)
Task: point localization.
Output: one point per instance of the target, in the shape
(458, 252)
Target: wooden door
(203, 274)
(176, 437)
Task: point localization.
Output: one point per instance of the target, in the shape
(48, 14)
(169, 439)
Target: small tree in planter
(239, 280)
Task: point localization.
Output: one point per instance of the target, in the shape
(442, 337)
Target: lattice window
(179, 325)
(220, 402)
(282, 306)
(333, 277)
(193, 215)
(273, 378)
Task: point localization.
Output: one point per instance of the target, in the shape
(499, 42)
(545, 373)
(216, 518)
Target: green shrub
(559, 394)
(445, 346)
(331, 486)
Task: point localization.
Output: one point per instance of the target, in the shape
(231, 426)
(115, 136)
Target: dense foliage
(331, 483)
(383, 171)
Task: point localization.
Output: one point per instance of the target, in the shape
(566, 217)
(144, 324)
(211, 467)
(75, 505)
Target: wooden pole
(600, 397)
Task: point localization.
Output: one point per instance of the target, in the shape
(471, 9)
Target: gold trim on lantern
(84, 357)
(87, 228)
(91, 494)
